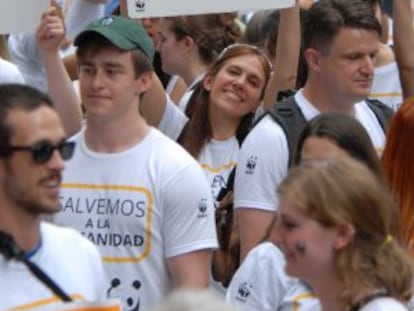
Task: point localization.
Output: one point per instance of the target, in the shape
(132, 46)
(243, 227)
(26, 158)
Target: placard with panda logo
(158, 8)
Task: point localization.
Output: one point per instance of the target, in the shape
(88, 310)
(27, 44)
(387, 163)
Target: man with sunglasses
(135, 193)
(32, 153)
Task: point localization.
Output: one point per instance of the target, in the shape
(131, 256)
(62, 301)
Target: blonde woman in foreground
(334, 228)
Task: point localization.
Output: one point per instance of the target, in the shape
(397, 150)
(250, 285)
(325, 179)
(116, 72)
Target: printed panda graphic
(130, 302)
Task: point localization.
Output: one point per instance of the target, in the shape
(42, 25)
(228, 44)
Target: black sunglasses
(42, 152)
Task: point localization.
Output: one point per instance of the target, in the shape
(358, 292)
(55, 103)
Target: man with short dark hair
(341, 42)
(33, 148)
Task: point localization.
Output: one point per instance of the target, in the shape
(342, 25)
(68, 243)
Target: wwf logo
(243, 292)
(202, 208)
(251, 165)
(140, 5)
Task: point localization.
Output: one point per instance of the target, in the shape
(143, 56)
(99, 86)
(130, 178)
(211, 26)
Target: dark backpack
(290, 118)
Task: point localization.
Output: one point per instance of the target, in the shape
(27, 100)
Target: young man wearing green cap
(135, 193)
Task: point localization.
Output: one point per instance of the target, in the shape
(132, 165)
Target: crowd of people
(255, 161)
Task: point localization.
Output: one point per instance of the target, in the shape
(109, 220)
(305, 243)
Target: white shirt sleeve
(261, 284)
(9, 73)
(384, 304)
(262, 165)
(189, 220)
(252, 290)
(172, 121)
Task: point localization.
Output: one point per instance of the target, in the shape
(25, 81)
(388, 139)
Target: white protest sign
(158, 8)
(18, 16)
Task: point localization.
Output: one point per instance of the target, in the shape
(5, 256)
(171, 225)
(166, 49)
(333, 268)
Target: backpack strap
(290, 118)
(383, 113)
(240, 136)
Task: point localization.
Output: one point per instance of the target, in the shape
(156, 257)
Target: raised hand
(51, 32)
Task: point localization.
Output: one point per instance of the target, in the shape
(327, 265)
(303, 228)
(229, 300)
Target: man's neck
(113, 137)
(23, 227)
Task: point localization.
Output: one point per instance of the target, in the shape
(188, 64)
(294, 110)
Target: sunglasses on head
(42, 152)
(254, 48)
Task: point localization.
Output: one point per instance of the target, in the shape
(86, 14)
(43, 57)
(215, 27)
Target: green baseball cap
(122, 32)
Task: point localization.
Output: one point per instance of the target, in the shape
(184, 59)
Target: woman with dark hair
(331, 133)
(189, 44)
(224, 103)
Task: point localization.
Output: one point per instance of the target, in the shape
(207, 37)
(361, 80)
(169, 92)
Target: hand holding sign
(17, 16)
(51, 31)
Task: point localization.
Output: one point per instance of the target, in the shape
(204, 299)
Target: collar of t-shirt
(309, 111)
(195, 81)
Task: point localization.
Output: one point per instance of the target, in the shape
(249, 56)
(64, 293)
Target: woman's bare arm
(404, 45)
(287, 55)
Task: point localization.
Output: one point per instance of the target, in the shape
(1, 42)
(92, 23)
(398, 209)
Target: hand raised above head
(51, 31)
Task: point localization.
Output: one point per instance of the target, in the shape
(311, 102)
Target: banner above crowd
(17, 16)
(158, 8)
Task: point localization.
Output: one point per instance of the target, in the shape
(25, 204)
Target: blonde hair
(344, 191)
